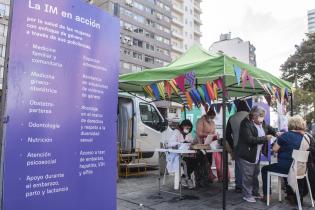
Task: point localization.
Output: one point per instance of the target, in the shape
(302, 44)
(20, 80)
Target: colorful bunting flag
(249, 102)
(197, 96)
(219, 82)
(210, 91)
(218, 107)
(189, 100)
(244, 78)
(238, 74)
(202, 94)
(173, 85)
(182, 95)
(161, 89)
(168, 89)
(286, 94)
(180, 81)
(229, 106)
(215, 91)
(155, 91)
(149, 90)
(190, 78)
(268, 99)
(206, 94)
(251, 81)
(194, 98)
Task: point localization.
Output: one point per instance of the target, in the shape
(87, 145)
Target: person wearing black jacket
(253, 140)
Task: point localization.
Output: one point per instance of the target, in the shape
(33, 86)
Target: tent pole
(291, 102)
(225, 186)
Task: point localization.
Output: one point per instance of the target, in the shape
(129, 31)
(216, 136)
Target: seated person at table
(205, 127)
(284, 146)
(182, 134)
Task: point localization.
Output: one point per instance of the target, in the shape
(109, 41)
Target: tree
(299, 69)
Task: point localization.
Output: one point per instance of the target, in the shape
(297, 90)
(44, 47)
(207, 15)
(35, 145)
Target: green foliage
(299, 69)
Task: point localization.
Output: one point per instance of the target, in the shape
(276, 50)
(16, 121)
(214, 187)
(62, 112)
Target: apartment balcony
(178, 35)
(178, 22)
(198, 33)
(178, 49)
(197, 8)
(197, 20)
(178, 8)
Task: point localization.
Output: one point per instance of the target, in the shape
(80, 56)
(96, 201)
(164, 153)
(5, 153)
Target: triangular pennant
(249, 102)
(198, 97)
(148, 90)
(202, 94)
(168, 89)
(210, 91)
(218, 107)
(193, 98)
(183, 98)
(173, 85)
(229, 106)
(208, 100)
(180, 81)
(155, 91)
(251, 81)
(215, 91)
(286, 93)
(282, 94)
(244, 78)
(190, 78)
(189, 100)
(161, 89)
(213, 107)
(238, 73)
(219, 82)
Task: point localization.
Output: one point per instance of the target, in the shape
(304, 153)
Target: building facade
(185, 25)
(236, 48)
(145, 32)
(4, 20)
(311, 21)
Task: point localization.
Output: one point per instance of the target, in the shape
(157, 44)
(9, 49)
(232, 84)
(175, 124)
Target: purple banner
(60, 140)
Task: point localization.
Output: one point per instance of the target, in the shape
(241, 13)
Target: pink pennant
(180, 81)
(244, 78)
(168, 89)
(219, 82)
(251, 81)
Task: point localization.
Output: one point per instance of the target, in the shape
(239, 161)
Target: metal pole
(291, 102)
(225, 186)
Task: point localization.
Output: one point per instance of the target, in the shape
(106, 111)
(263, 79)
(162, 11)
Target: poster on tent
(267, 120)
(60, 145)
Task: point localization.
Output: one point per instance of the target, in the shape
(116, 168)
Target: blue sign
(60, 140)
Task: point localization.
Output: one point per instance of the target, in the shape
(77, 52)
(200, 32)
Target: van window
(149, 115)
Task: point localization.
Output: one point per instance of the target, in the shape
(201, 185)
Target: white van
(139, 125)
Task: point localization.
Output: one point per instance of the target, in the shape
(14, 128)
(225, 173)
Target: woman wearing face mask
(183, 135)
(253, 139)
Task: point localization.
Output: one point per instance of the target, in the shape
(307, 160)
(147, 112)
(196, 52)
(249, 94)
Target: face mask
(186, 131)
(261, 119)
(209, 119)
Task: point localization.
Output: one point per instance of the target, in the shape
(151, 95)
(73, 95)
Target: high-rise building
(145, 32)
(185, 25)
(4, 20)
(236, 48)
(311, 21)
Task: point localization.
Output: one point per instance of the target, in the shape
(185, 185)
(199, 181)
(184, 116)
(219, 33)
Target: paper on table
(209, 139)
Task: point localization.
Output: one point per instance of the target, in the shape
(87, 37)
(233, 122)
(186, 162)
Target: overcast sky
(272, 26)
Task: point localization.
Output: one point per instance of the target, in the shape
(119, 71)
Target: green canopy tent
(207, 67)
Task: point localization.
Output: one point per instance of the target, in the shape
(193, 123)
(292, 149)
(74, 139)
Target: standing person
(254, 134)
(232, 135)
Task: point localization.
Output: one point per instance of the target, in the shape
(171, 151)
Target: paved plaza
(142, 193)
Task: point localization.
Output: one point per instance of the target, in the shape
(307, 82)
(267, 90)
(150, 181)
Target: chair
(129, 161)
(300, 159)
(176, 174)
